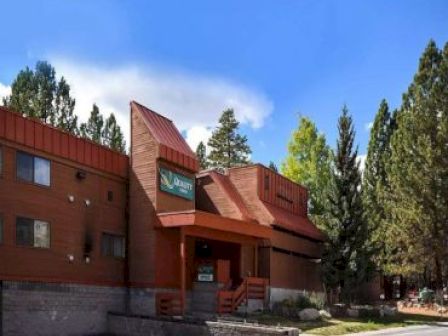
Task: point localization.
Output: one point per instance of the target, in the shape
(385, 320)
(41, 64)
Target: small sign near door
(206, 273)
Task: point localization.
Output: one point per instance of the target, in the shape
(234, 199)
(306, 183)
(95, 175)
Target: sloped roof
(172, 145)
(292, 222)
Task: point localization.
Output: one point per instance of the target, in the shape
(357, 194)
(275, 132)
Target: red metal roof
(172, 145)
(37, 135)
(298, 224)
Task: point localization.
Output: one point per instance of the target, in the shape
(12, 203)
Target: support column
(182, 269)
(256, 261)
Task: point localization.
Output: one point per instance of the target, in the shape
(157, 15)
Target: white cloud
(194, 102)
(362, 161)
(4, 91)
(368, 126)
(196, 134)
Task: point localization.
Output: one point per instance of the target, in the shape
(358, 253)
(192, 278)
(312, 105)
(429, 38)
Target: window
(110, 196)
(31, 232)
(33, 169)
(113, 245)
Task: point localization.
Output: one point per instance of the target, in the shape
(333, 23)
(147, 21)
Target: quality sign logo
(176, 184)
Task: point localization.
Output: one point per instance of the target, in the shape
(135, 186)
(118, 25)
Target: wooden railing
(169, 304)
(250, 288)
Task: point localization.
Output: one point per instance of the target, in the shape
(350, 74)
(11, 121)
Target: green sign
(176, 184)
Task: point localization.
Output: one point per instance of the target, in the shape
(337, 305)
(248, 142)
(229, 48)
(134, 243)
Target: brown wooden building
(147, 234)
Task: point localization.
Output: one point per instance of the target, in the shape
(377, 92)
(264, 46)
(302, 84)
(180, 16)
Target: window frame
(34, 220)
(113, 235)
(33, 180)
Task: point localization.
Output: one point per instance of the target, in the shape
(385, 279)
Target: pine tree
(273, 166)
(38, 94)
(376, 186)
(93, 129)
(64, 106)
(228, 148)
(112, 135)
(346, 259)
(418, 235)
(201, 155)
(308, 163)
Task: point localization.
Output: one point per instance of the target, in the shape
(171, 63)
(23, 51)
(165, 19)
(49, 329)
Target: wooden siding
(41, 137)
(71, 224)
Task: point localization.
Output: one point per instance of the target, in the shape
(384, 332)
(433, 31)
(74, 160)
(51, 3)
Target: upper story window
(113, 245)
(33, 169)
(32, 232)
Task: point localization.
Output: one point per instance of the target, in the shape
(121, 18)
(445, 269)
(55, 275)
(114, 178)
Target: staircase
(250, 288)
(204, 298)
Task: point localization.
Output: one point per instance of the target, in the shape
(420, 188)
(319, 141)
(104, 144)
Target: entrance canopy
(196, 220)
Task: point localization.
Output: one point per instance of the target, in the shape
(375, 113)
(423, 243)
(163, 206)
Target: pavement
(439, 329)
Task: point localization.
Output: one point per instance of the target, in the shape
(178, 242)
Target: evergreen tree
(346, 259)
(64, 106)
(112, 135)
(201, 155)
(228, 148)
(308, 163)
(418, 172)
(38, 94)
(375, 180)
(93, 129)
(273, 166)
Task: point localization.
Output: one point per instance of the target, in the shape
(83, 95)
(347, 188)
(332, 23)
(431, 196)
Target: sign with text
(176, 184)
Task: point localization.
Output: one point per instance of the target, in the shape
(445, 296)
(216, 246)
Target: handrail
(169, 304)
(250, 288)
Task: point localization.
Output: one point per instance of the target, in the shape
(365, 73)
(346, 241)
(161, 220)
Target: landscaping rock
(338, 310)
(324, 314)
(309, 314)
(352, 312)
(390, 311)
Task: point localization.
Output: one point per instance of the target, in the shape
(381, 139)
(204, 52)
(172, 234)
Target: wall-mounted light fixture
(87, 202)
(87, 259)
(71, 198)
(71, 258)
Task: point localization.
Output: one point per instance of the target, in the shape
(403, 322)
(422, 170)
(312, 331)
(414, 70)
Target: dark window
(110, 196)
(31, 232)
(33, 169)
(113, 245)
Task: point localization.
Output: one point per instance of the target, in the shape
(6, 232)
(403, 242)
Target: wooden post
(256, 261)
(182, 269)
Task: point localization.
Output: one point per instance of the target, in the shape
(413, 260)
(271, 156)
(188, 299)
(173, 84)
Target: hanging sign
(176, 184)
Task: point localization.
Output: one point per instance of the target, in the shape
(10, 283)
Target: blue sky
(271, 60)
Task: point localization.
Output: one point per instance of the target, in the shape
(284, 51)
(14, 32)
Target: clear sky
(270, 60)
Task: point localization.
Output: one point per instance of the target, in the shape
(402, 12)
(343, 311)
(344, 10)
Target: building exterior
(85, 230)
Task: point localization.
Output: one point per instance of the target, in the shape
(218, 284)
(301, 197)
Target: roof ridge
(152, 111)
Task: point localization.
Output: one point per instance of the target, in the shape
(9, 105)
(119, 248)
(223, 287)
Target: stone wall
(35, 308)
(139, 326)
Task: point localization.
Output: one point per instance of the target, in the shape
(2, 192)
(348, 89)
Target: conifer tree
(418, 172)
(112, 135)
(64, 106)
(375, 185)
(93, 128)
(273, 166)
(201, 155)
(346, 259)
(308, 163)
(228, 148)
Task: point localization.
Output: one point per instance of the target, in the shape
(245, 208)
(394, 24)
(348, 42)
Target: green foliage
(273, 166)
(112, 135)
(228, 148)
(308, 163)
(93, 128)
(346, 258)
(202, 156)
(375, 184)
(418, 173)
(38, 94)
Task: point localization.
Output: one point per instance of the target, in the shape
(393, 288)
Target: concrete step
(205, 286)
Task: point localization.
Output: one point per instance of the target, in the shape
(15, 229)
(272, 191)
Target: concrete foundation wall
(137, 326)
(35, 308)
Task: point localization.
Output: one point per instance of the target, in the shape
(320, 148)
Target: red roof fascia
(298, 224)
(39, 136)
(172, 145)
(215, 222)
